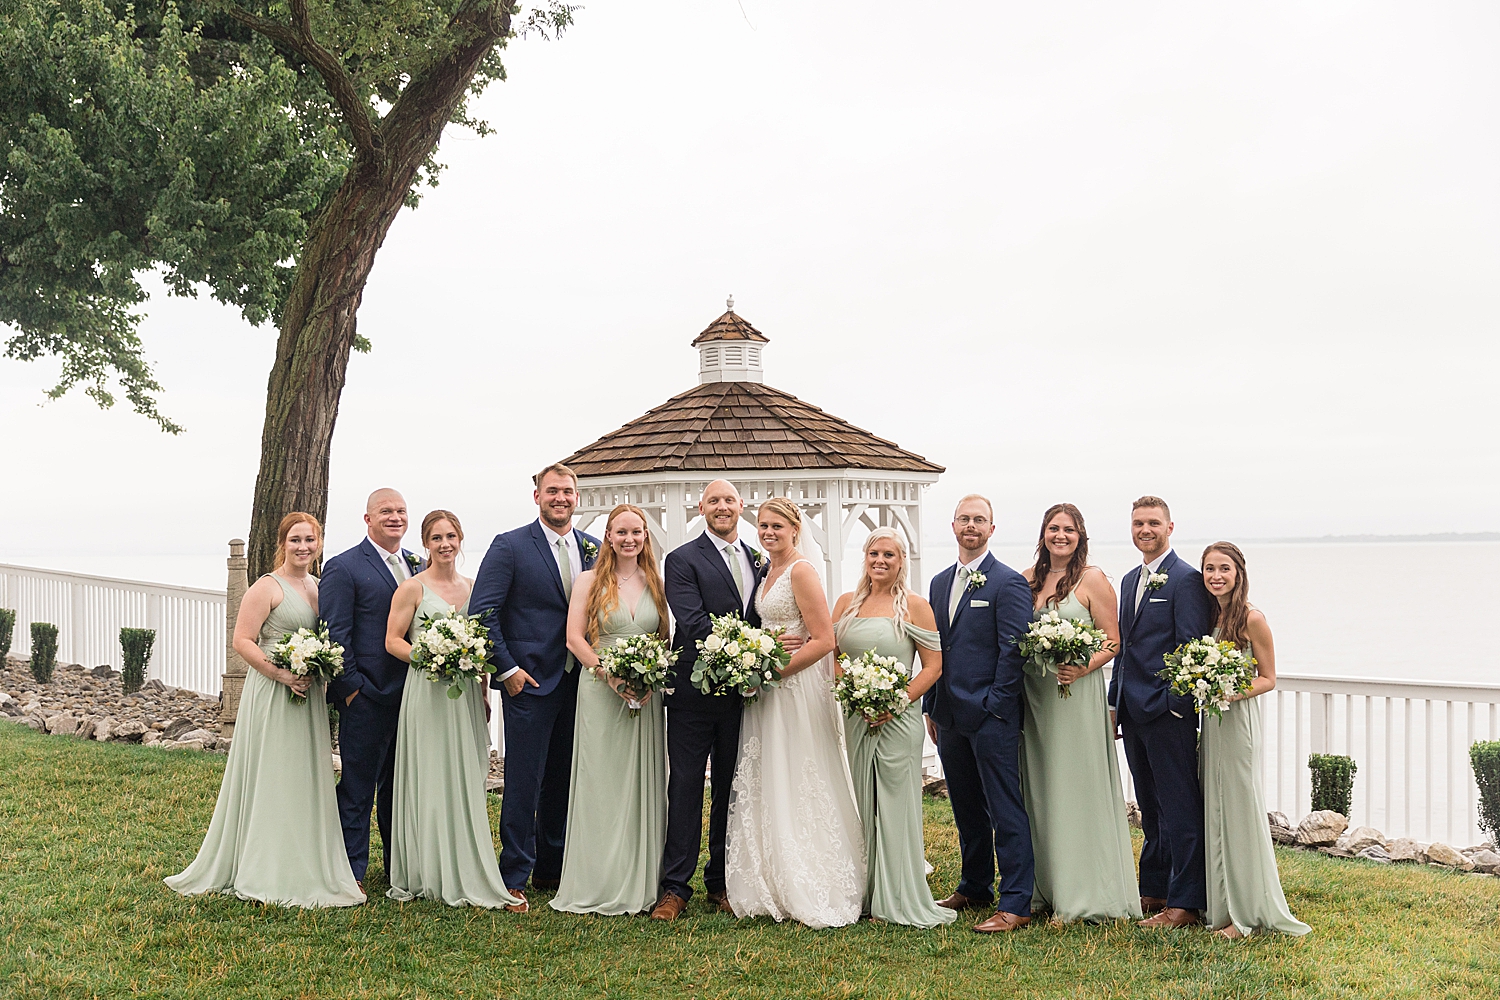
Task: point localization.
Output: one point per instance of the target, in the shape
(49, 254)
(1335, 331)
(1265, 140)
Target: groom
(976, 704)
(1163, 604)
(522, 593)
(715, 574)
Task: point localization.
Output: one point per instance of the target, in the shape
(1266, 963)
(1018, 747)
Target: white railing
(1409, 739)
(89, 612)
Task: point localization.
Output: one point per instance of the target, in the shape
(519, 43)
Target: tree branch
(356, 112)
(443, 84)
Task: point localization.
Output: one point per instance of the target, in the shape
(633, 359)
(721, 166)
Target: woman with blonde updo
(440, 846)
(617, 798)
(885, 759)
(275, 835)
(795, 846)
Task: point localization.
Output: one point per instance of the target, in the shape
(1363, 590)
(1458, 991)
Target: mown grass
(87, 832)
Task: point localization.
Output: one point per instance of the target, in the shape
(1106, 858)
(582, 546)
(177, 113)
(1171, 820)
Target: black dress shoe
(546, 884)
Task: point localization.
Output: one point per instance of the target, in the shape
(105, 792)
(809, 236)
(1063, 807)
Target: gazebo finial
(729, 303)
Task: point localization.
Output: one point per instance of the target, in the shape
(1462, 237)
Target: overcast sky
(1242, 256)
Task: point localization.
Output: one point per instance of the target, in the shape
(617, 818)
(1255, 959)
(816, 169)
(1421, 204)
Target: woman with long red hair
(617, 799)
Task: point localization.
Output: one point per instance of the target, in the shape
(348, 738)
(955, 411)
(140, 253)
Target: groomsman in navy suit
(522, 593)
(976, 704)
(1163, 604)
(714, 574)
(354, 598)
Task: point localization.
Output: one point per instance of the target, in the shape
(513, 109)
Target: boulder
(1375, 853)
(1321, 827)
(936, 787)
(203, 736)
(130, 731)
(495, 785)
(86, 727)
(1405, 849)
(1281, 828)
(1357, 839)
(338, 764)
(104, 671)
(62, 725)
(1442, 854)
(1133, 813)
(153, 685)
(102, 728)
(6, 699)
(151, 738)
(177, 727)
(1486, 861)
(181, 745)
(222, 744)
(35, 722)
(1335, 852)
(10, 708)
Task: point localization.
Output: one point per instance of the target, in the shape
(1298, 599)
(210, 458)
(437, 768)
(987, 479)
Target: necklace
(627, 579)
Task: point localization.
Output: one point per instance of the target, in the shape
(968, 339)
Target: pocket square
(979, 604)
(1158, 600)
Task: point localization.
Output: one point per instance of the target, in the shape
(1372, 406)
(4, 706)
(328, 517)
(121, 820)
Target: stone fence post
(234, 664)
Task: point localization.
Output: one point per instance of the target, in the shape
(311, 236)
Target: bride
(795, 845)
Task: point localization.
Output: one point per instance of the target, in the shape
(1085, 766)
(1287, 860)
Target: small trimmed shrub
(135, 644)
(7, 629)
(43, 651)
(1332, 782)
(1485, 756)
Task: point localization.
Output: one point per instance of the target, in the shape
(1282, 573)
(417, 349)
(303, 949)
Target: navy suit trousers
(983, 770)
(538, 771)
(1163, 756)
(367, 747)
(692, 737)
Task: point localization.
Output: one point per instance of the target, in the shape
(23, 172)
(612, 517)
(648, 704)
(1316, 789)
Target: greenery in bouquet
(308, 653)
(643, 662)
(872, 686)
(1053, 641)
(1214, 673)
(452, 648)
(738, 658)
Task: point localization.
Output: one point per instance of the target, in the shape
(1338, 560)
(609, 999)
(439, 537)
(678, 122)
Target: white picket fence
(89, 612)
(1410, 739)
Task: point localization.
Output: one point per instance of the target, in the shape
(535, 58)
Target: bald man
(354, 598)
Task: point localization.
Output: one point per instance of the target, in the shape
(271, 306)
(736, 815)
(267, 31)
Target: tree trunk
(318, 322)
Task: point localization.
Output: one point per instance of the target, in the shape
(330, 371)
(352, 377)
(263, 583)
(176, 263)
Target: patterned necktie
(395, 563)
(961, 584)
(732, 557)
(565, 566)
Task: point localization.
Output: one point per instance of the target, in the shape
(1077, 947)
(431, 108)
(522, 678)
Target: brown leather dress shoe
(1171, 919)
(1152, 904)
(1002, 922)
(522, 906)
(670, 907)
(958, 901)
(721, 901)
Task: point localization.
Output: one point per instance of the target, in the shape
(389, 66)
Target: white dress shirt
(1146, 570)
(961, 580)
(401, 571)
(734, 550)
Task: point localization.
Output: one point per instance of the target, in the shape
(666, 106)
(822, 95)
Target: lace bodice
(777, 604)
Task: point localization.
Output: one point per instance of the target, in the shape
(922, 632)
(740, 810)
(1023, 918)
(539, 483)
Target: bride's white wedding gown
(795, 846)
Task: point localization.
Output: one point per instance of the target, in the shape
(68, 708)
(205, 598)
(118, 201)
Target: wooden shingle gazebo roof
(730, 326)
(718, 426)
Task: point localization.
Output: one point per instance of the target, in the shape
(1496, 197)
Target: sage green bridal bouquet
(452, 647)
(308, 653)
(643, 662)
(1212, 672)
(871, 686)
(1053, 641)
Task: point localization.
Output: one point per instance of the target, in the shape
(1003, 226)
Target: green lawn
(88, 830)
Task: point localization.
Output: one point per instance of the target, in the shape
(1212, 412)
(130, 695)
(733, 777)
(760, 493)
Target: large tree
(260, 150)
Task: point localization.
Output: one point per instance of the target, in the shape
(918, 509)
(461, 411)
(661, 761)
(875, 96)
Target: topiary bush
(43, 651)
(1332, 782)
(1485, 756)
(135, 644)
(7, 629)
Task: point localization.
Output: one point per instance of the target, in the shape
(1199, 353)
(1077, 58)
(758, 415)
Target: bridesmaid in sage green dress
(1070, 774)
(441, 847)
(617, 800)
(1244, 887)
(275, 835)
(885, 760)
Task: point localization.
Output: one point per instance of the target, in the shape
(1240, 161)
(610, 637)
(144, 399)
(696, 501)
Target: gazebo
(767, 443)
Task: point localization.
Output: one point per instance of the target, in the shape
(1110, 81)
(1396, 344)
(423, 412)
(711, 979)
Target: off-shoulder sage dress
(617, 800)
(1070, 777)
(275, 835)
(441, 847)
(1244, 887)
(886, 765)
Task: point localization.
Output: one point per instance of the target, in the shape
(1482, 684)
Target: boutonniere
(589, 549)
(415, 562)
(1156, 581)
(757, 559)
(976, 580)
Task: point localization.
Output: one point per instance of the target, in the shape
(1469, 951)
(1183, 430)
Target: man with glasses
(983, 607)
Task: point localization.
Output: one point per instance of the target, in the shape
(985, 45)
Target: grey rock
(129, 731)
(1405, 849)
(177, 727)
(1486, 861)
(1133, 813)
(10, 708)
(222, 745)
(151, 738)
(102, 728)
(494, 785)
(338, 764)
(103, 671)
(1442, 854)
(1281, 828)
(1335, 852)
(936, 787)
(86, 728)
(154, 686)
(62, 725)
(203, 736)
(35, 722)
(1375, 853)
(1358, 838)
(6, 699)
(1321, 827)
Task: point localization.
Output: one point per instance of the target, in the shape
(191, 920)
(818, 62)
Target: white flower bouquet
(643, 662)
(452, 647)
(308, 653)
(1212, 672)
(737, 658)
(1053, 641)
(872, 685)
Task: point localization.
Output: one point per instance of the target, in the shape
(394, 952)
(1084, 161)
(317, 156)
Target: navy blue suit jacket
(698, 584)
(354, 598)
(519, 595)
(982, 666)
(1181, 609)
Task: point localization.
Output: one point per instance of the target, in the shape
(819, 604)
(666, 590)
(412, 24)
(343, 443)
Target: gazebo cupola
(767, 443)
